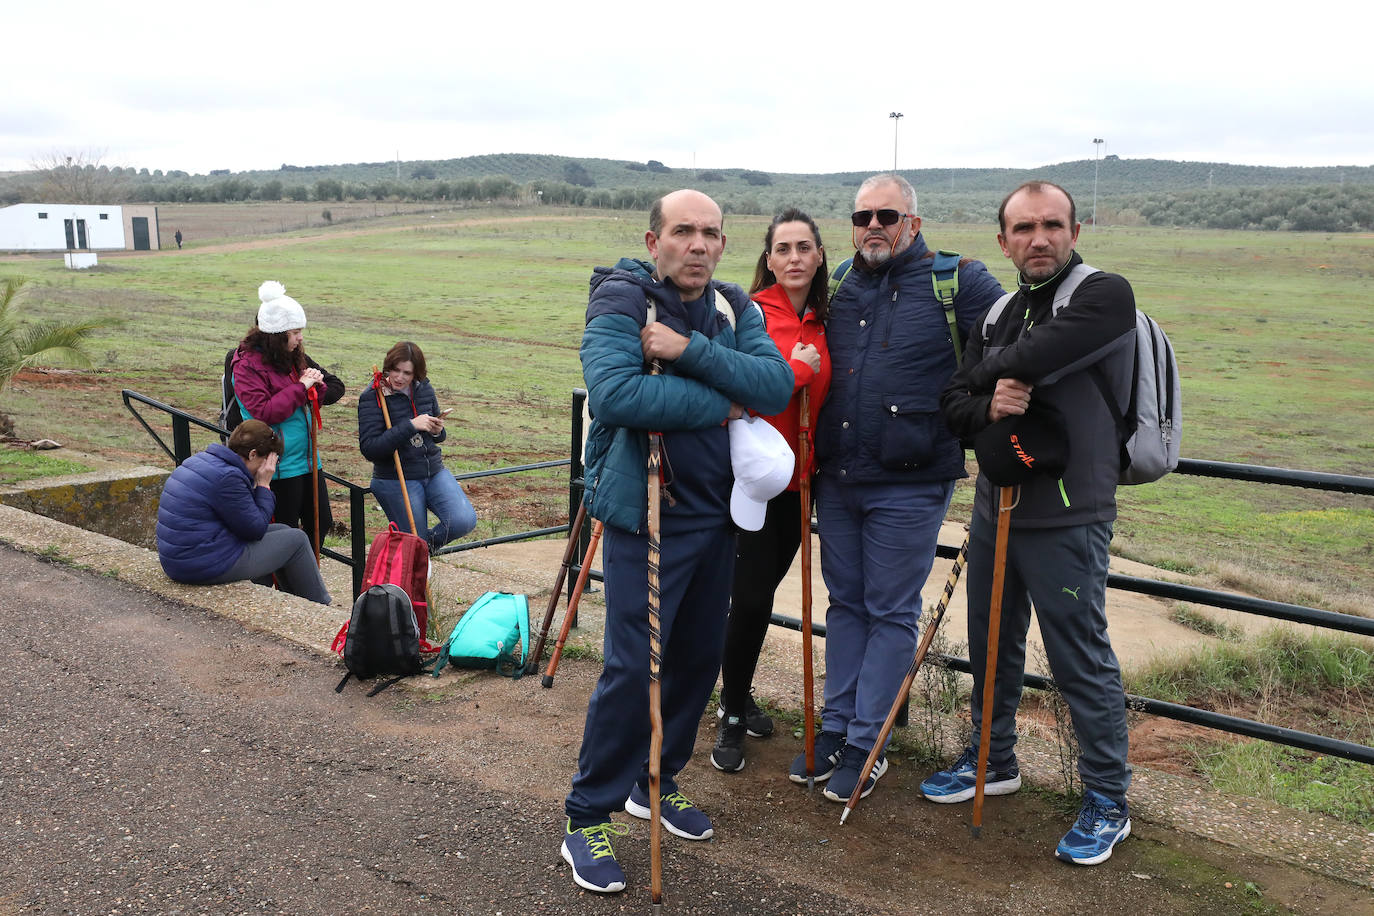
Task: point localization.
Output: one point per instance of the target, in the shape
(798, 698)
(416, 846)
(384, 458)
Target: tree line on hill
(1129, 192)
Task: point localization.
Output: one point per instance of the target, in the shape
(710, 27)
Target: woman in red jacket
(790, 285)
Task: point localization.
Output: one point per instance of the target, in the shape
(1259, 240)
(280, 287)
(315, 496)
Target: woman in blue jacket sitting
(214, 522)
(417, 428)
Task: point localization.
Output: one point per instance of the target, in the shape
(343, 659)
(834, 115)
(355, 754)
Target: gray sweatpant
(1063, 571)
(286, 553)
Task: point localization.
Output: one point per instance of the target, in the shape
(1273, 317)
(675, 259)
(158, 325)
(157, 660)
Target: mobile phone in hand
(446, 411)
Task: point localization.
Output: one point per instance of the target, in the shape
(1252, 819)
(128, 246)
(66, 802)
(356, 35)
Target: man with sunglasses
(886, 469)
(715, 360)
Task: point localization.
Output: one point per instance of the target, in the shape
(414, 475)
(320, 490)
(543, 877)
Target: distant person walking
(178, 238)
(274, 381)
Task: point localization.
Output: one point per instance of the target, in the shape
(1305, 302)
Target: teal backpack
(493, 634)
(944, 276)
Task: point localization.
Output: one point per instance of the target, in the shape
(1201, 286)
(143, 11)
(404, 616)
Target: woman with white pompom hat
(277, 383)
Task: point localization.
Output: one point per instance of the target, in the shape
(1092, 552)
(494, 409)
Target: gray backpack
(1151, 426)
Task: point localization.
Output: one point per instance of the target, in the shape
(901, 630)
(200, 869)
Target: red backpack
(398, 558)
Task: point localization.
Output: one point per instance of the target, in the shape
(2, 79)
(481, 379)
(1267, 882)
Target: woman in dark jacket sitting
(417, 428)
(213, 522)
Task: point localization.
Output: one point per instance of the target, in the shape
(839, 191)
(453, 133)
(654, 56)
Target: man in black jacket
(1042, 349)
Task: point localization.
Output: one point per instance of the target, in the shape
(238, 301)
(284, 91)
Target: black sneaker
(728, 754)
(759, 723)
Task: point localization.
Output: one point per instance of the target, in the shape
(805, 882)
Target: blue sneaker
(846, 776)
(588, 850)
(680, 816)
(957, 783)
(1100, 826)
(828, 747)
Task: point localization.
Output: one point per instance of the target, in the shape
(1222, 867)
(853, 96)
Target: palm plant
(23, 344)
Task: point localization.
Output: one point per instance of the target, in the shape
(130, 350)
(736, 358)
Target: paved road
(156, 759)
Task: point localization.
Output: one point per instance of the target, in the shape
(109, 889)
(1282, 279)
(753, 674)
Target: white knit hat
(278, 312)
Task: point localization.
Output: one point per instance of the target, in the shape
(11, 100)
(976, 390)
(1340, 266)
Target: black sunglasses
(862, 218)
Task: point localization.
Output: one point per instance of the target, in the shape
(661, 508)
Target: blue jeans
(877, 546)
(439, 494)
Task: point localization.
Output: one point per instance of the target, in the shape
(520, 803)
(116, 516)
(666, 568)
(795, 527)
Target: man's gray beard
(876, 256)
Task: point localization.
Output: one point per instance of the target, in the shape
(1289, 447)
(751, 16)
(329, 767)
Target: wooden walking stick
(926, 639)
(808, 675)
(537, 652)
(312, 417)
(999, 568)
(400, 474)
(655, 674)
(571, 614)
(405, 494)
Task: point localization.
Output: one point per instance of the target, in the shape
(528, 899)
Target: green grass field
(1273, 332)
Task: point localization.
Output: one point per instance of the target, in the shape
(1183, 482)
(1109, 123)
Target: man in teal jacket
(717, 362)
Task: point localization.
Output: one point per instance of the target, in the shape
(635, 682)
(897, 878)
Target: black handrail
(357, 503)
(1336, 483)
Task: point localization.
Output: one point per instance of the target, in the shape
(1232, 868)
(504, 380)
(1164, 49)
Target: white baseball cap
(763, 464)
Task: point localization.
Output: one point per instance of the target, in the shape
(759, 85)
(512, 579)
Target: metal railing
(356, 557)
(1337, 483)
(1278, 610)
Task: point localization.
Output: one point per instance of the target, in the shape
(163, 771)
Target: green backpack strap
(522, 620)
(838, 274)
(944, 274)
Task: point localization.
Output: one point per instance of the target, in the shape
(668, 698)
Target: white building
(79, 227)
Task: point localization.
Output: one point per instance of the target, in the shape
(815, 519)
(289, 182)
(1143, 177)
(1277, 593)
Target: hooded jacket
(378, 444)
(210, 509)
(892, 356)
(688, 402)
(1094, 331)
(278, 399)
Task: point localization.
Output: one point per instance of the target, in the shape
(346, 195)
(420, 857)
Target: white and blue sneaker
(957, 784)
(680, 816)
(588, 850)
(845, 780)
(828, 748)
(1101, 824)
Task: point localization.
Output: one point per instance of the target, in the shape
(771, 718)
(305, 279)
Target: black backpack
(229, 414)
(383, 638)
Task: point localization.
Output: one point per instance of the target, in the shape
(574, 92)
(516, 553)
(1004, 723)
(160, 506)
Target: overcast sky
(792, 87)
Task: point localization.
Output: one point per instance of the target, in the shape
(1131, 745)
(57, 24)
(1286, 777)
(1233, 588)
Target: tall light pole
(1097, 148)
(895, 116)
